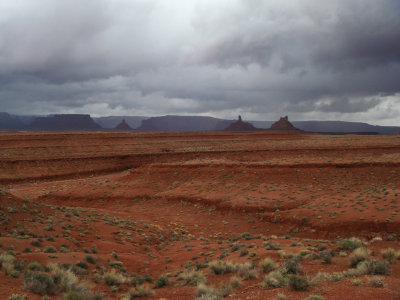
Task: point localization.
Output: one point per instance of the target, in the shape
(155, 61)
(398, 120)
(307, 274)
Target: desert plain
(264, 215)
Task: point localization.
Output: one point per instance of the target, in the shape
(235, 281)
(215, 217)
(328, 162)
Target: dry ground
(151, 205)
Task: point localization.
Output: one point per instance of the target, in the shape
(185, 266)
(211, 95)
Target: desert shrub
(113, 278)
(235, 247)
(267, 265)
(36, 243)
(389, 254)
(90, 259)
(274, 279)
(94, 249)
(318, 277)
(116, 264)
(18, 297)
(243, 251)
(222, 267)
(326, 256)
(235, 282)
(65, 279)
(292, 266)
(161, 282)
(137, 292)
(9, 269)
(314, 297)
(192, 277)
(35, 266)
(39, 283)
(280, 296)
(246, 236)
(356, 282)
(375, 267)
(350, 244)
(205, 292)
(82, 264)
(81, 295)
(298, 283)
(247, 270)
(6, 258)
(397, 255)
(336, 276)
(377, 282)
(50, 249)
(358, 255)
(78, 270)
(225, 290)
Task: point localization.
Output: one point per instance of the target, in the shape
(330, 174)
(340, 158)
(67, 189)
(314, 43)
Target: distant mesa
(123, 126)
(284, 125)
(239, 125)
(65, 122)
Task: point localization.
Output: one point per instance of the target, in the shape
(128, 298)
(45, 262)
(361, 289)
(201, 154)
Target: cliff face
(283, 125)
(239, 125)
(65, 122)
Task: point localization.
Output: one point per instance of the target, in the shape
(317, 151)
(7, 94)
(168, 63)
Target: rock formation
(239, 125)
(123, 126)
(283, 125)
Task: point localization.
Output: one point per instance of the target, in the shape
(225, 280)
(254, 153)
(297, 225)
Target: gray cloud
(261, 58)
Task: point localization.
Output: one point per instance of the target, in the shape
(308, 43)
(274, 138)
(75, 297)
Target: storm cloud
(310, 59)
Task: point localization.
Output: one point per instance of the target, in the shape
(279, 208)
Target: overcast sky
(309, 59)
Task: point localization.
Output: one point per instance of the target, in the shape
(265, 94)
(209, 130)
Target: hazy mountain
(341, 127)
(172, 123)
(183, 123)
(64, 122)
(113, 121)
(8, 121)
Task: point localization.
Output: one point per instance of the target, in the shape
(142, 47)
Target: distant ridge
(239, 125)
(173, 123)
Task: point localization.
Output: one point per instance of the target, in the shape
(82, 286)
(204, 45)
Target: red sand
(163, 199)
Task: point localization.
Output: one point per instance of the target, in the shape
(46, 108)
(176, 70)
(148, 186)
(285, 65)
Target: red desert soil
(157, 204)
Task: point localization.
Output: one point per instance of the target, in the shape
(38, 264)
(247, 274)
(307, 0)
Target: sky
(309, 59)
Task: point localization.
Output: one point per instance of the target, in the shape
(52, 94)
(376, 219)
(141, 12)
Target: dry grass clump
(192, 277)
(389, 254)
(137, 292)
(350, 244)
(247, 271)
(57, 280)
(268, 265)
(377, 282)
(274, 279)
(204, 292)
(358, 255)
(113, 278)
(298, 283)
(218, 267)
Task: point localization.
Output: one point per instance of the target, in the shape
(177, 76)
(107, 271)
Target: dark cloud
(264, 58)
